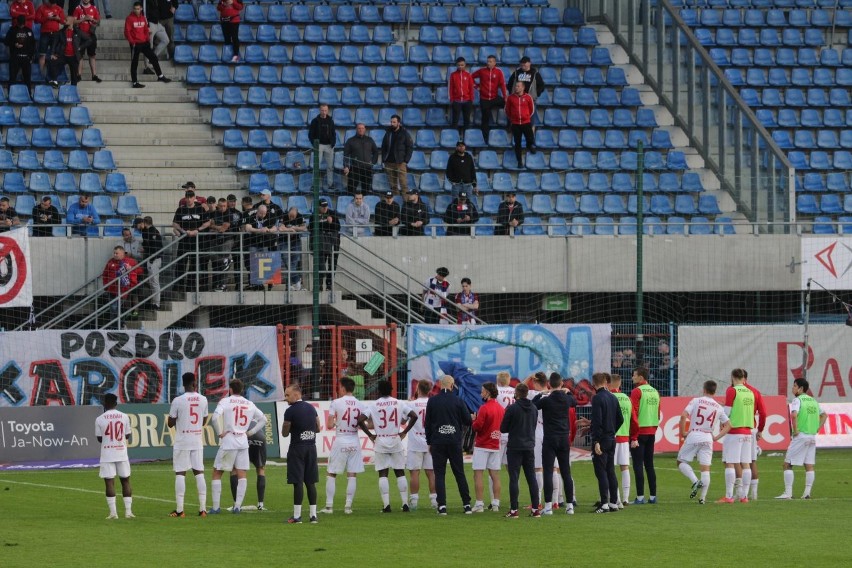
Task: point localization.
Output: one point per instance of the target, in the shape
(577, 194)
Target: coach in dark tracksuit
(446, 415)
(605, 422)
(556, 445)
(519, 422)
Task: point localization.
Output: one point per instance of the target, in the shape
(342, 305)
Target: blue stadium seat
(566, 204)
(590, 204)
(280, 96)
(269, 74)
(824, 225)
(116, 183)
(246, 118)
(830, 204)
(90, 182)
(622, 182)
(270, 161)
(27, 160)
(599, 182)
(258, 139)
(13, 182)
(103, 160)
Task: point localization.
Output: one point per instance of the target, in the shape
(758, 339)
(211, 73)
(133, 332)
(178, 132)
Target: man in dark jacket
(64, 49)
(397, 147)
(460, 215)
(360, 153)
(605, 422)
(329, 241)
(519, 423)
(414, 217)
(461, 171)
(446, 415)
(322, 129)
(510, 213)
(529, 76)
(45, 215)
(21, 43)
(556, 445)
(386, 215)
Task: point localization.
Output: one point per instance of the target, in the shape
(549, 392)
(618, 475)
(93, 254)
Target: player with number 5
(186, 416)
(232, 421)
(112, 429)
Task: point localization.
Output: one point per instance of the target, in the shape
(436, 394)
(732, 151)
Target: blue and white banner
(575, 351)
(63, 368)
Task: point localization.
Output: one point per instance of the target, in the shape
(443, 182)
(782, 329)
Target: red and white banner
(837, 430)
(828, 261)
(772, 355)
(776, 434)
(16, 279)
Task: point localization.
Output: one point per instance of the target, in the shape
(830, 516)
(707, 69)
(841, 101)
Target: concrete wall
(513, 265)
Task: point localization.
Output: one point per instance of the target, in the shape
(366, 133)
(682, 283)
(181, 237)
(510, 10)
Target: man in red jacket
(51, 17)
(461, 96)
(229, 18)
(486, 447)
(492, 93)
(138, 36)
(120, 276)
(520, 108)
(23, 8)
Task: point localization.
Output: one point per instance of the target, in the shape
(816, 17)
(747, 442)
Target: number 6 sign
(363, 345)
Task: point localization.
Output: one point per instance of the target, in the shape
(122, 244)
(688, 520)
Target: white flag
(16, 279)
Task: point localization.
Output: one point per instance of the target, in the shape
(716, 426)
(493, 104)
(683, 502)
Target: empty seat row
(289, 34)
(590, 204)
(830, 203)
(497, 35)
(806, 117)
(55, 160)
(42, 137)
(42, 95)
(793, 97)
(799, 77)
(820, 160)
(775, 18)
(815, 181)
(64, 182)
(781, 57)
(806, 140)
(51, 116)
(767, 37)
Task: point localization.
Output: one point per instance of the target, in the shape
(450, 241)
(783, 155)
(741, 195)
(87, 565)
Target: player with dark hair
(622, 439)
(301, 420)
(112, 429)
(756, 436)
(806, 419)
(186, 416)
(605, 421)
(346, 449)
(519, 422)
(486, 447)
(556, 410)
(419, 457)
(257, 457)
(643, 432)
(737, 446)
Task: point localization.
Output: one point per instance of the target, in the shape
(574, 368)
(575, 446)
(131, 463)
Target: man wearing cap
(528, 75)
(152, 246)
(360, 153)
(293, 227)
(272, 209)
(45, 215)
(492, 92)
(357, 215)
(460, 214)
(323, 130)
(461, 96)
(223, 242)
(397, 147)
(386, 216)
(263, 230)
(188, 223)
(329, 241)
(510, 214)
(414, 216)
(461, 171)
(435, 297)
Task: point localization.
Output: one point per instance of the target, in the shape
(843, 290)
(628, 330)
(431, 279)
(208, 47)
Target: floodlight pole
(640, 233)
(807, 321)
(315, 237)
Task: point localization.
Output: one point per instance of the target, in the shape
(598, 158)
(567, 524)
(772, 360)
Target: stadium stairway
(157, 135)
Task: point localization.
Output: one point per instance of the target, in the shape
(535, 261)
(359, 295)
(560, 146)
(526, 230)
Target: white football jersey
(417, 435)
(346, 411)
(190, 409)
(539, 425)
(387, 413)
(505, 396)
(113, 427)
(704, 414)
(237, 414)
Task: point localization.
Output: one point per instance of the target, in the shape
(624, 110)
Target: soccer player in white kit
(186, 416)
(806, 419)
(387, 414)
(703, 413)
(538, 384)
(418, 452)
(236, 414)
(112, 429)
(346, 449)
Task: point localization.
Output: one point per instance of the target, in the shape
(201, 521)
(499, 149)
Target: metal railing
(719, 124)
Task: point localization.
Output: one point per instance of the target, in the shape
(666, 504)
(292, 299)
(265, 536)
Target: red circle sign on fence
(14, 276)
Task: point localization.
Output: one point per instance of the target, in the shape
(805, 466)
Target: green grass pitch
(57, 518)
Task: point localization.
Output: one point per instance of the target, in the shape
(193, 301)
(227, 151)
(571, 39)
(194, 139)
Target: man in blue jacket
(519, 422)
(446, 415)
(82, 214)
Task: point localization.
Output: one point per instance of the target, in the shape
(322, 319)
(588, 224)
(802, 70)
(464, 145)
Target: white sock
(433, 499)
(297, 511)
(111, 505)
(180, 492)
(539, 478)
(746, 483)
(313, 510)
(201, 485)
(490, 488)
(705, 481)
(625, 485)
(384, 490)
(809, 481)
(241, 492)
(548, 506)
(753, 488)
(495, 503)
(128, 505)
(730, 479)
(216, 486)
(686, 469)
(788, 481)
(556, 485)
(330, 488)
(415, 499)
(402, 485)
(350, 490)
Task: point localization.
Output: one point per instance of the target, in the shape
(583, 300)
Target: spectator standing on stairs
(51, 17)
(139, 36)
(152, 247)
(461, 96)
(88, 18)
(23, 8)
(161, 25)
(229, 17)
(21, 44)
(65, 45)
